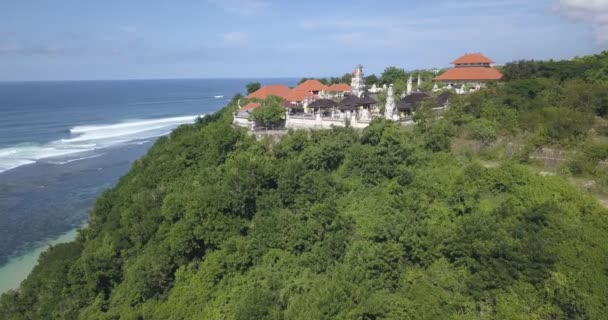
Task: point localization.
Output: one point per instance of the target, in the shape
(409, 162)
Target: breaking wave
(83, 141)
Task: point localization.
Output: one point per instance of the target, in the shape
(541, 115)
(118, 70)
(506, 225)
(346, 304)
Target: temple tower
(358, 83)
(409, 85)
(390, 103)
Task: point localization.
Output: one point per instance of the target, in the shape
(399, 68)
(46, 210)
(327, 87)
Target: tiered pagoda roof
(472, 58)
(471, 67)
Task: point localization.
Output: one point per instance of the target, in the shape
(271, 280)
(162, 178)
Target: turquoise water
(17, 268)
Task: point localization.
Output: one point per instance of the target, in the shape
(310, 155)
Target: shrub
(483, 130)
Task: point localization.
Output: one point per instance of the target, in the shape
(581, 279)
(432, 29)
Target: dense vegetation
(388, 223)
(592, 68)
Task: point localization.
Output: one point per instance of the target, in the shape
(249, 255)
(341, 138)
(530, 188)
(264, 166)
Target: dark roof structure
(351, 102)
(416, 97)
(367, 101)
(410, 101)
(323, 104)
(443, 99)
(404, 106)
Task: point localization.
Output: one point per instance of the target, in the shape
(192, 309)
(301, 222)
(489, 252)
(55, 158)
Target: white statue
(409, 85)
(358, 83)
(390, 103)
(374, 89)
(435, 88)
(419, 81)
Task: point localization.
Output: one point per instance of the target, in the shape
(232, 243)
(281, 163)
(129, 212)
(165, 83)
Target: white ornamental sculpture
(390, 103)
(435, 88)
(419, 81)
(374, 89)
(358, 83)
(409, 85)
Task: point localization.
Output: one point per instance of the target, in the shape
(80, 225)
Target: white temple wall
(295, 123)
(243, 123)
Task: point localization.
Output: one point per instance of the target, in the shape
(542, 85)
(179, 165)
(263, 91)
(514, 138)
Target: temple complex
(313, 105)
(470, 72)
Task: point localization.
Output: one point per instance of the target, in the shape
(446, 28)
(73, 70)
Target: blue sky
(78, 39)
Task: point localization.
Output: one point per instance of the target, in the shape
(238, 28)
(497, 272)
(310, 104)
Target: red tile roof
(470, 74)
(298, 95)
(340, 87)
(278, 90)
(249, 106)
(472, 58)
(291, 95)
(312, 85)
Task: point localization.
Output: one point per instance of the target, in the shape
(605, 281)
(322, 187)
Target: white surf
(83, 141)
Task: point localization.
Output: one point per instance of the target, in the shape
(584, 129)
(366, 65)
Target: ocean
(63, 143)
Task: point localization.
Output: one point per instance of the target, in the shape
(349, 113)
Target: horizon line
(154, 79)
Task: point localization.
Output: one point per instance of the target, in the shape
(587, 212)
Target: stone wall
(243, 123)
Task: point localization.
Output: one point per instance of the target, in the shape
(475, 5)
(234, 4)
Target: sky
(153, 39)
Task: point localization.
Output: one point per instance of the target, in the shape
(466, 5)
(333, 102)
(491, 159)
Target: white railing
(303, 116)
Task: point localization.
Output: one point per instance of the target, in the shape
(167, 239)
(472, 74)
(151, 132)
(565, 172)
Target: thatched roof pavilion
(367, 101)
(351, 102)
(323, 104)
(410, 102)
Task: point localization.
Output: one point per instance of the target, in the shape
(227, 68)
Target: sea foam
(84, 141)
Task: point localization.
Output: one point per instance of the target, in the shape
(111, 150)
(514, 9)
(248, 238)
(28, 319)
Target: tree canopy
(270, 113)
(253, 87)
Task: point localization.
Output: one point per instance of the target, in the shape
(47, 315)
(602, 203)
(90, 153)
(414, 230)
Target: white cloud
(241, 7)
(593, 12)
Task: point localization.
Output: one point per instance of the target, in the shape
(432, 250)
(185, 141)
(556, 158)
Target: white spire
(358, 83)
(419, 81)
(390, 103)
(409, 85)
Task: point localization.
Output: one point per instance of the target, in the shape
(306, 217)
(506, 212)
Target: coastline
(19, 267)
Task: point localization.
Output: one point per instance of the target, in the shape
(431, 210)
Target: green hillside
(388, 223)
